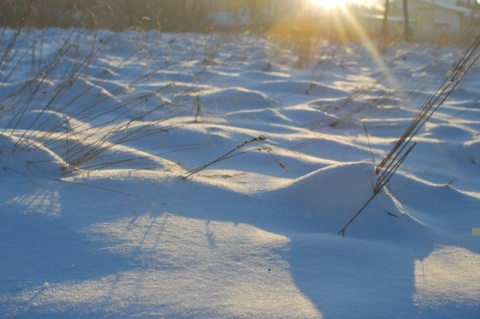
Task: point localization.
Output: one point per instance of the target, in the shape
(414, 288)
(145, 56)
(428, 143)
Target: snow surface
(96, 220)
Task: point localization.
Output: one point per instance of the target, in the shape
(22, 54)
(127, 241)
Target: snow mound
(234, 98)
(472, 150)
(29, 158)
(39, 120)
(327, 198)
(450, 133)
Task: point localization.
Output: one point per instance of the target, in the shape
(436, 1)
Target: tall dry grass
(389, 165)
(69, 105)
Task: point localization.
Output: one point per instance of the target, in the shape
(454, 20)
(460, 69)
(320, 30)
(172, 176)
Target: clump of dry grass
(237, 151)
(68, 111)
(86, 117)
(405, 144)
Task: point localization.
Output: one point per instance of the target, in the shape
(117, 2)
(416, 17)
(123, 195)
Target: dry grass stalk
(229, 154)
(402, 148)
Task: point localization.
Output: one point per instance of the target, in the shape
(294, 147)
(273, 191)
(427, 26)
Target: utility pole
(384, 34)
(405, 17)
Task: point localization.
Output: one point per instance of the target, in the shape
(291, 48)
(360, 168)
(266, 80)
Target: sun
(338, 4)
(330, 4)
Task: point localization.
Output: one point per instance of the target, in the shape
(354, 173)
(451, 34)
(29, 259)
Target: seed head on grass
(235, 152)
(402, 148)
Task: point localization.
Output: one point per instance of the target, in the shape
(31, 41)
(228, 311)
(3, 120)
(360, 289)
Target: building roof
(454, 6)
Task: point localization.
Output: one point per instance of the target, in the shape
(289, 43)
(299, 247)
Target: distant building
(429, 20)
(438, 19)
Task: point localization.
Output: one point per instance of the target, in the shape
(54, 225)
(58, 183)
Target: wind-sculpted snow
(99, 131)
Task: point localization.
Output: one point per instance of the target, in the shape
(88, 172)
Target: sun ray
(338, 4)
(328, 4)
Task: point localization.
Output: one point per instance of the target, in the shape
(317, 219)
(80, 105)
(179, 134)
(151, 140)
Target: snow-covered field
(98, 131)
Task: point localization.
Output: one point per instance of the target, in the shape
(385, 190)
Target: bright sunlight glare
(329, 4)
(337, 4)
